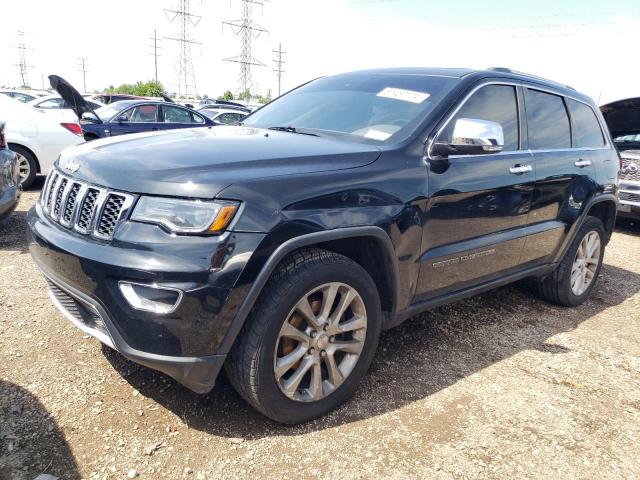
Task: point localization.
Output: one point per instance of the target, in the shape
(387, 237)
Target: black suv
(281, 247)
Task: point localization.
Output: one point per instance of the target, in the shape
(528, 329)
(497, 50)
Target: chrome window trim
(517, 84)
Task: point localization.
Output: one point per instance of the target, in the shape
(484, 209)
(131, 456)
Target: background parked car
(56, 102)
(36, 137)
(223, 116)
(9, 181)
(24, 95)
(107, 98)
(623, 120)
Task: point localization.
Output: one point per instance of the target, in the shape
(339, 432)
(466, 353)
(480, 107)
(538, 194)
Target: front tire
(27, 165)
(309, 339)
(572, 281)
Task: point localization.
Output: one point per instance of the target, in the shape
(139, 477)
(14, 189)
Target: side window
(52, 103)
(143, 114)
(228, 118)
(175, 115)
(547, 121)
(195, 118)
(586, 129)
(496, 103)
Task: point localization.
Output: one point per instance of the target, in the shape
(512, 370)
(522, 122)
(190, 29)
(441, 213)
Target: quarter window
(585, 127)
(496, 103)
(547, 120)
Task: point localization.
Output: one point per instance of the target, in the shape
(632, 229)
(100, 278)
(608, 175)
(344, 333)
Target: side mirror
(472, 136)
(122, 118)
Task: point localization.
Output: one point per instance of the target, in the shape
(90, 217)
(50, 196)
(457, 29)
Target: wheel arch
(368, 246)
(16, 144)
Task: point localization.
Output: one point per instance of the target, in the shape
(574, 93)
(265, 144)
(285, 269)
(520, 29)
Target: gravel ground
(498, 386)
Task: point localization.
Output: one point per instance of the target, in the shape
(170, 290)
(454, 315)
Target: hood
(622, 117)
(75, 100)
(201, 162)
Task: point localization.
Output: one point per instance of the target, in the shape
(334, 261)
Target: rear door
(478, 207)
(565, 173)
(140, 118)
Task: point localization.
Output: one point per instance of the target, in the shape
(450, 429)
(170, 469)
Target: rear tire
(27, 165)
(258, 365)
(577, 274)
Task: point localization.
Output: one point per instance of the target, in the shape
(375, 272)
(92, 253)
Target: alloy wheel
(320, 342)
(585, 264)
(24, 168)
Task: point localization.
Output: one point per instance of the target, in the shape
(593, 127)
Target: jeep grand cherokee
(280, 248)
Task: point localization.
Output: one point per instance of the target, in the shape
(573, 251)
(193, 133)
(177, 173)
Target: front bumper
(83, 275)
(629, 194)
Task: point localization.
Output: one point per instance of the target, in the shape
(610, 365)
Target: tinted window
(228, 118)
(496, 103)
(195, 118)
(143, 114)
(175, 115)
(585, 126)
(547, 121)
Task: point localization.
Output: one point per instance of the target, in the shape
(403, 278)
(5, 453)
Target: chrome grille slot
(70, 205)
(110, 215)
(52, 185)
(58, 198)
(87, 209)
(629, 197)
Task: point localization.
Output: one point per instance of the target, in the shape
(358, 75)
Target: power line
(83, 69)
(187, 20)
(278, 63)
(155, 53)
(247, 30)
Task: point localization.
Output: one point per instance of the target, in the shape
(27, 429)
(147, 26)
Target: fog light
(151, 298)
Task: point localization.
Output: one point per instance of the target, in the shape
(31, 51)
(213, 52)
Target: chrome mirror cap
(472, 135)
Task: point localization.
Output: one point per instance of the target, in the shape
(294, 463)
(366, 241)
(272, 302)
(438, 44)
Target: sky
(590, 45)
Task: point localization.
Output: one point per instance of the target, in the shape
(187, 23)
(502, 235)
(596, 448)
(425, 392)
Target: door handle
(520, 169)
(582, 163)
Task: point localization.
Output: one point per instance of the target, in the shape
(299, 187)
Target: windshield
(364, 105)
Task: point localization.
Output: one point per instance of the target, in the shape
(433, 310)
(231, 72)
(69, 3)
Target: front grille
(110, 214)
(80, 311)
(629, 197)
(88, 209)
(630, 170)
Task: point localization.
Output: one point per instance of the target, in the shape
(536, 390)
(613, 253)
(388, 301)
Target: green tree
(228, 95)
(150, 88)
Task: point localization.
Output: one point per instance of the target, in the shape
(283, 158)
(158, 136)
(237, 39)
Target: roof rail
(516, 72)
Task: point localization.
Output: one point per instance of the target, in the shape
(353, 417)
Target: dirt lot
(499, 386)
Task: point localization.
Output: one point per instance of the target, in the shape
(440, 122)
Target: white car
(23, 96)
(36, 137)
(223, 116)
(56, 102)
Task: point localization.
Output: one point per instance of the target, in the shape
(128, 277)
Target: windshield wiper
(293, 130)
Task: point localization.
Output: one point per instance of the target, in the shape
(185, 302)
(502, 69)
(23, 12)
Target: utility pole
(23, 66)
(279, 62)
(155, 52)
(83, 69)
(247, 30)
(187, 20)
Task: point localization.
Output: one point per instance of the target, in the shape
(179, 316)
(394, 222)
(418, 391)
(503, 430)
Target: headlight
(185, 216)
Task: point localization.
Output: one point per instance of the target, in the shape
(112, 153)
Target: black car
(623, 119)
(281, 248)
(10, 188)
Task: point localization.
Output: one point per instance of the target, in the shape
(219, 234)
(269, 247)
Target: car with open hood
(623, 120)
(127, 116)
(280, 248)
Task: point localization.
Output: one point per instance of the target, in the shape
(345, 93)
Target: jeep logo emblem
(630, 168)
(72, 166)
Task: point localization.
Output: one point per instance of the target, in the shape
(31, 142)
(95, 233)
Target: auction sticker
(404, 95)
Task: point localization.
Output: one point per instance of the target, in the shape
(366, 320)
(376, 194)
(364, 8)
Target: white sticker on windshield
(404, 95)
(377, 135)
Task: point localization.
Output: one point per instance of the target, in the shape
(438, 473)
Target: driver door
(478, 203)
(140, 118)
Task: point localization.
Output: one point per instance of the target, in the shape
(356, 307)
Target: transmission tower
(22, 64)
(83, 68)
(279, 62)
(155, 53)
(187, 20)
(247, 30)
